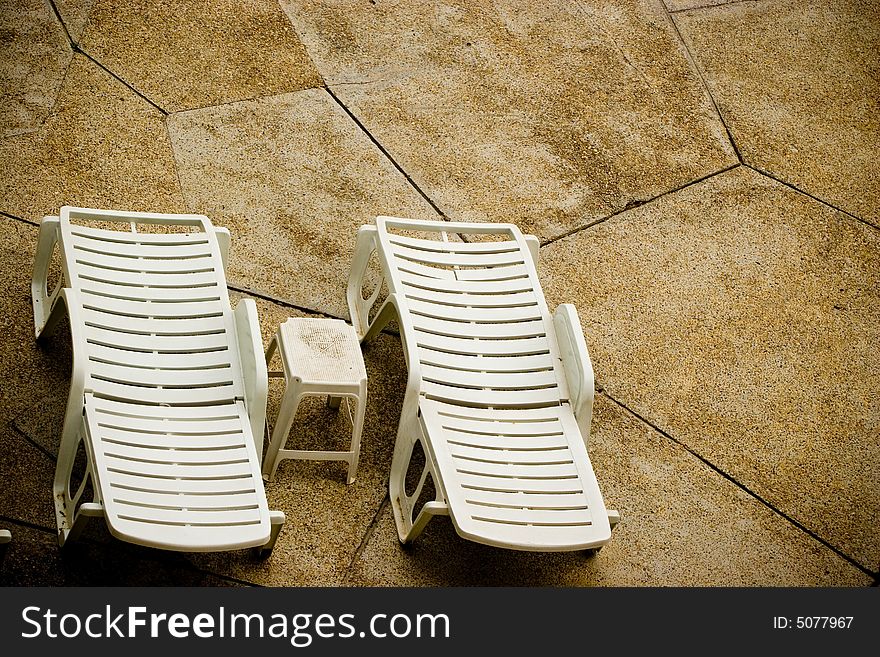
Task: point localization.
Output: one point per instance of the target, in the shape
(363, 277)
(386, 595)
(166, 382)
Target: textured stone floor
(703, 178)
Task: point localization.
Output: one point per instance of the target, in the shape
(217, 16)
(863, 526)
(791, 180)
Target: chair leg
(276, 519)
(70, 519)
(386, 313)
(401, 503)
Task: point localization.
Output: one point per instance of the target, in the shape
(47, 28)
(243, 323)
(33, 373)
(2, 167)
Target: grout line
(52, 457)
(225, 578)
(249, 99)
(386, 154)
(346, 581)
(808, 194)
(126, 84)
(186, 202)
(7, 520)
(16, 218)
(693, 63)
(281, 302)
(635, 204)
(723, 4)
(741, 486)
(63, 24)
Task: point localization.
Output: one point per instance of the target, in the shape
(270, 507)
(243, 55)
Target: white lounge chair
(169, 385)
(499, 394)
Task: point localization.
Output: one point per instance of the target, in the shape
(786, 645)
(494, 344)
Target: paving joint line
(186, 203)
(632, 205)
(235, 101)
(371, 529)
(708, 91)
(125, 83)
(281, 302)
(52, 457)
(61, 21)
(29, 222)
(808, 194)
(741, 486)
(386, 153)
(723, 4)
(30, 525)
(225, 578)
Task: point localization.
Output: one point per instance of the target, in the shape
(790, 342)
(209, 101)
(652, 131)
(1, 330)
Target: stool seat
(321, 351)
(319, 357)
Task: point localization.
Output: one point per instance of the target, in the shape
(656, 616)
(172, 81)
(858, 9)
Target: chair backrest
(482, 330)
(154, 311)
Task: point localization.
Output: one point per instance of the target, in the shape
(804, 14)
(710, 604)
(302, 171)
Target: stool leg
(333, 402)
(356, 430)
(289, 406)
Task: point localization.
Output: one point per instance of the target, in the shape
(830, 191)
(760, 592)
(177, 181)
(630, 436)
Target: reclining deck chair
(169, 385)
(499, 395)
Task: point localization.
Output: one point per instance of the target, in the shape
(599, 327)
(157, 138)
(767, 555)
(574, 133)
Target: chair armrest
(42, 298)
(577, 365)
(534, 245)
(253, 367)
(223, 239)
(358, 307)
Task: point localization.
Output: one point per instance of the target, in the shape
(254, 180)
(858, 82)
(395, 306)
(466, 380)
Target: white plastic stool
(320, 357)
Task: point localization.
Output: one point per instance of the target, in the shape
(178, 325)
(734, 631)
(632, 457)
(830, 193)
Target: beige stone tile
(683, 525)
(326, 519)
(183, 54)
(293, 178)
(548, 114)
(75, 14)
(742, 317)
(102, 146)
(35, 56)
(797, 85)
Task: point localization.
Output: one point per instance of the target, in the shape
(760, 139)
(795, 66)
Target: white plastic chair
(169, 385)
(499, 394)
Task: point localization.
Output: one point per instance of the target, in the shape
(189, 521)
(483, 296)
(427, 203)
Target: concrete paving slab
(34, 559)
(326, 519)
(183, 55)
(75, 14)
(797, 85)
(742, 317)
(683, 525)
(550, 115)
(293, 178)
(102, 146)
(35, 56)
